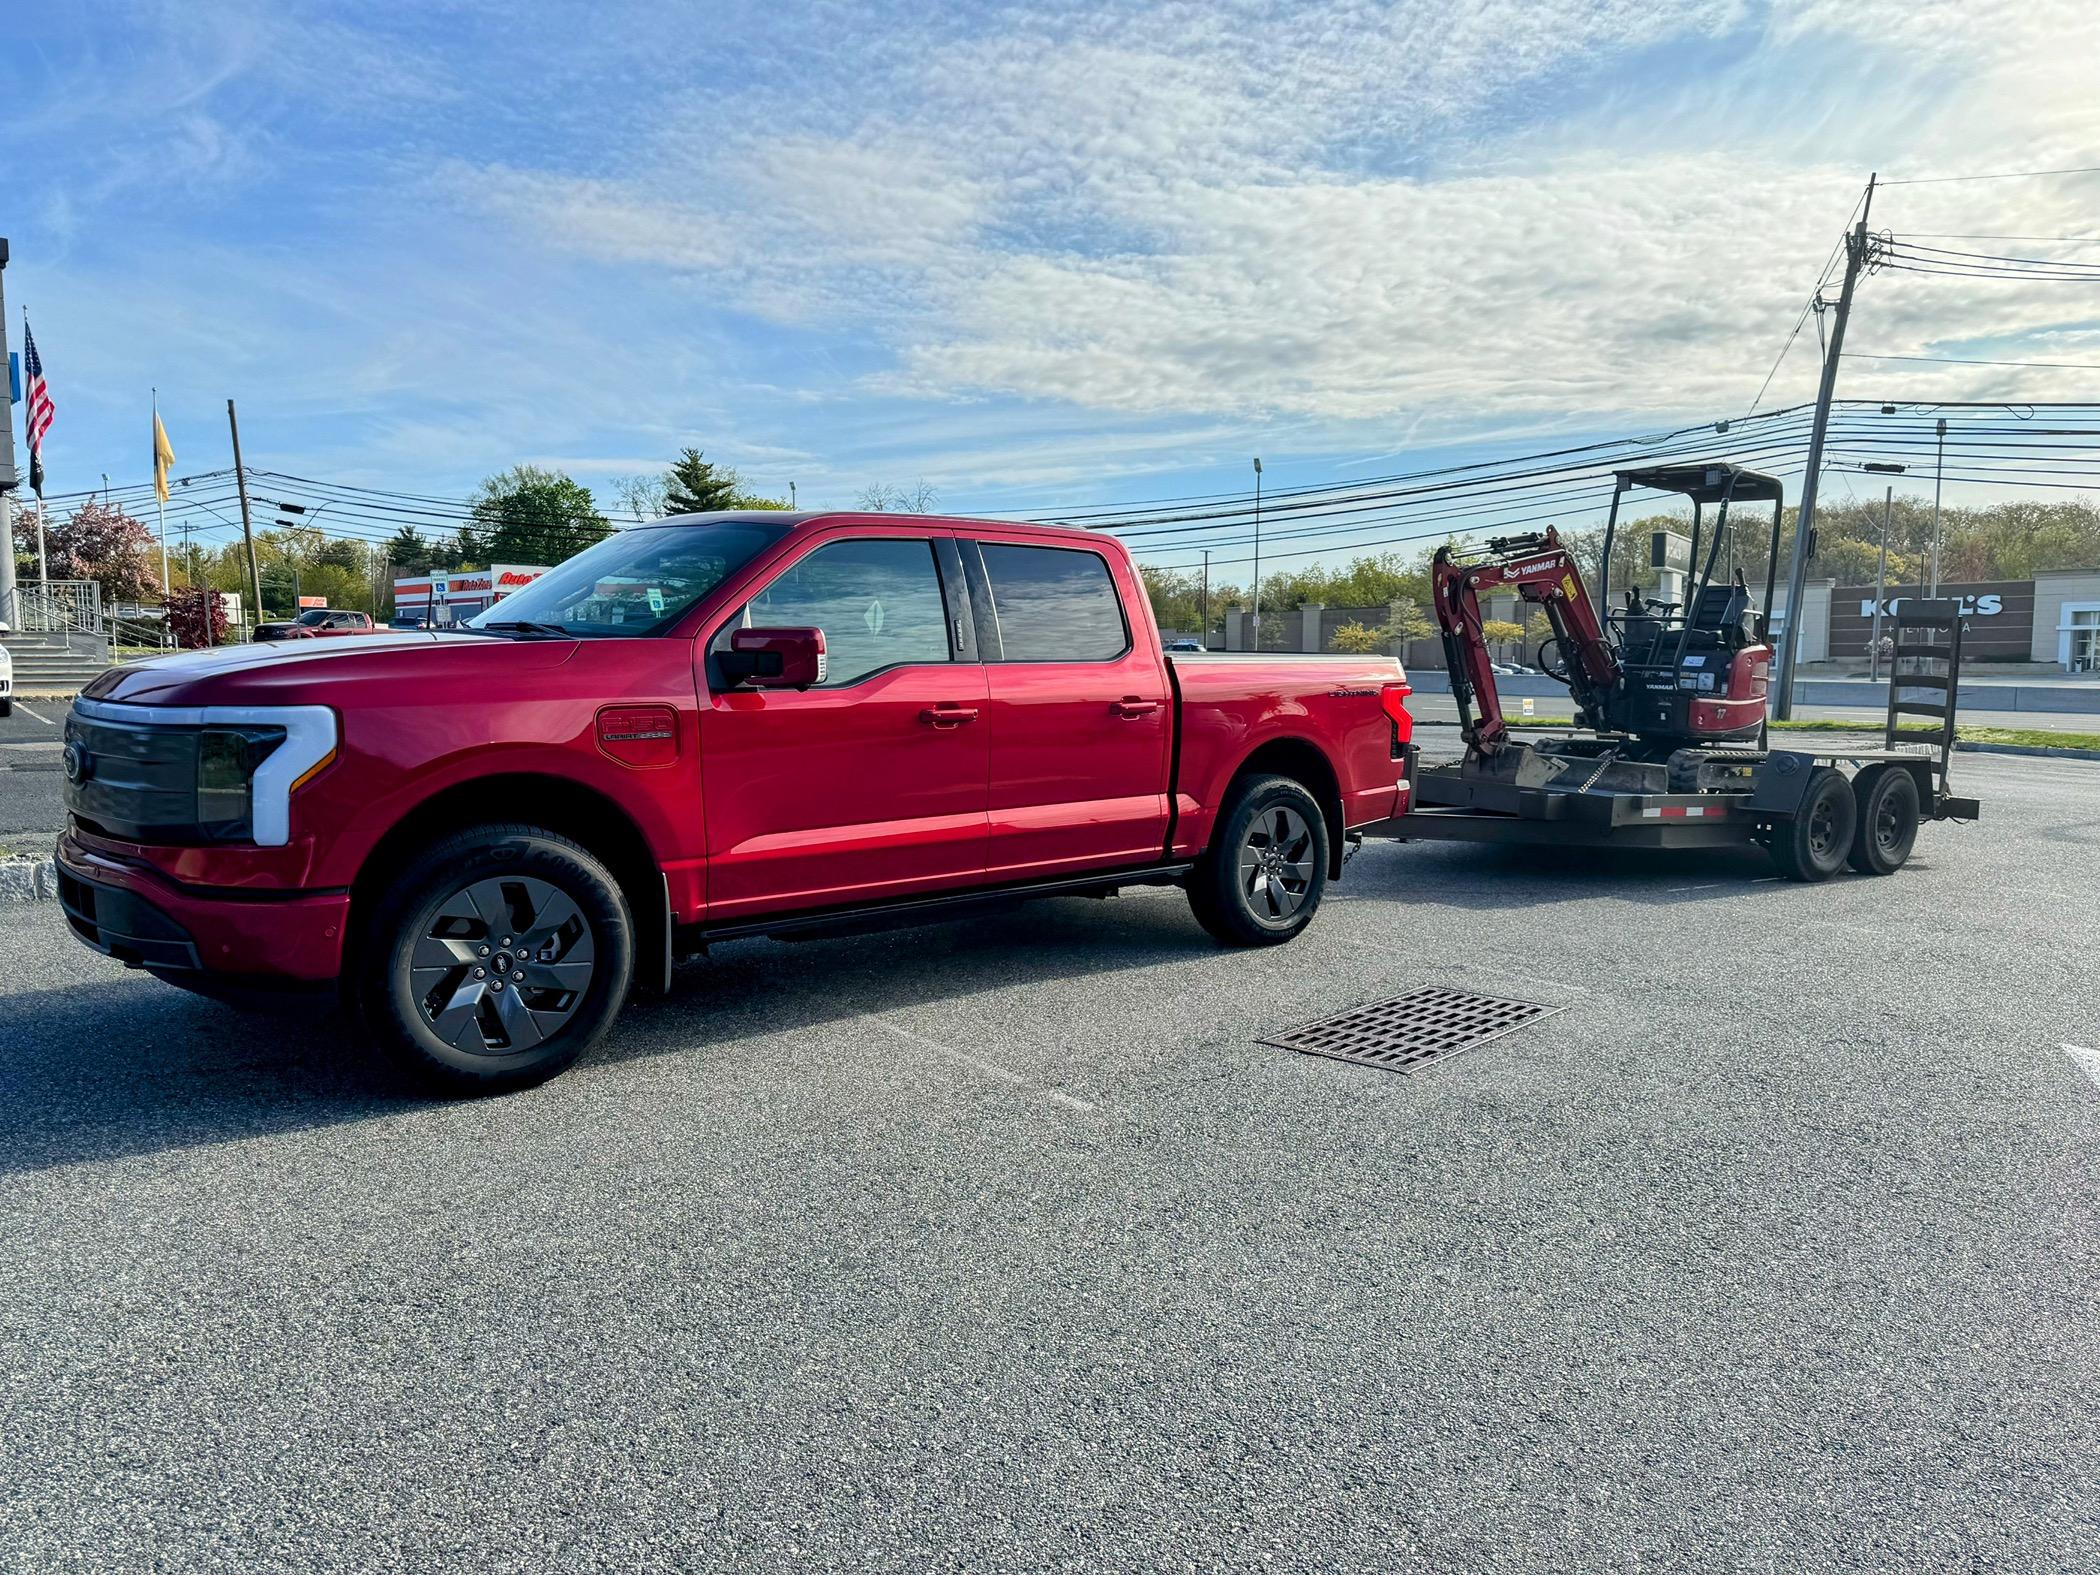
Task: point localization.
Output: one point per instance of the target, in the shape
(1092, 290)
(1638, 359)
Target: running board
(925, 910)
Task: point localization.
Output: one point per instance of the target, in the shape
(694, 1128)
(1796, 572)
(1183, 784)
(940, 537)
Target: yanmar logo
(1534, 566)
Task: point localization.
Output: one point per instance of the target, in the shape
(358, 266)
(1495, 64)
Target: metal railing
(59, 607)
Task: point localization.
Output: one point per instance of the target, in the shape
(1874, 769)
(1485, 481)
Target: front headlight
(227, 760)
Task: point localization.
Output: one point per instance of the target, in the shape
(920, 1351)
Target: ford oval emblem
(76, 762)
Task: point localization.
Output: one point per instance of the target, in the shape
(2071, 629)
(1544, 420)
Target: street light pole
(1939, 466)
(1257, 552)
(1881, 584)
(1881, 571)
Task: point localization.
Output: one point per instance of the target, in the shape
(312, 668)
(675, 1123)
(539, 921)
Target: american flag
(37, 393)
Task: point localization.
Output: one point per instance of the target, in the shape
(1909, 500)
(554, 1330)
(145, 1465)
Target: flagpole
(160, 503)
(36, 456)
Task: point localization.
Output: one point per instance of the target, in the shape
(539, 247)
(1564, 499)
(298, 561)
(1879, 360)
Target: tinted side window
(1055, 604)
(878, 603)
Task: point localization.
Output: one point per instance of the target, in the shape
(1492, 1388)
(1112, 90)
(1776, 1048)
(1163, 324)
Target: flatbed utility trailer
(1814, 809)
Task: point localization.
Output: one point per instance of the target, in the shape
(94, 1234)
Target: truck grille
(134, 781)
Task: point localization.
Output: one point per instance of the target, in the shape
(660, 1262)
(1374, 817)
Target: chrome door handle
(1131, 710)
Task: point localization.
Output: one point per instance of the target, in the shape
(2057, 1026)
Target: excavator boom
(1541, 570)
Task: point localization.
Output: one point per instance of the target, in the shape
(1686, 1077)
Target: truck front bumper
(143, 918)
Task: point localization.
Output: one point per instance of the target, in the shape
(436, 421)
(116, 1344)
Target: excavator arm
(1542, 571)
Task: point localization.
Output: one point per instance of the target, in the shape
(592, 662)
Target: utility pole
(1206, 596)
(240, 477)
(793, 501)
(1804, 526)
(1257, 552)
(1939, 466)
(7, 467)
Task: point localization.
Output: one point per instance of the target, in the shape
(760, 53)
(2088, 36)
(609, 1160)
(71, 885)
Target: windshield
(635, 582)
(312, 616)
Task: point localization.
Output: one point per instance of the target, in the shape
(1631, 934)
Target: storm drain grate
(1413, 1030)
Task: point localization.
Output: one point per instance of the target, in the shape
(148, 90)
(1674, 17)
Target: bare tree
(641, 496)
(887, 498)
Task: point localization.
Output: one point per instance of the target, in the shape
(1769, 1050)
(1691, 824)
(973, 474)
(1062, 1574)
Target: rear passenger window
(877, 601)
(1055, 604)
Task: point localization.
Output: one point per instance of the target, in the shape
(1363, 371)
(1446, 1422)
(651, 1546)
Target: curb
(2043, 750)
(28, 880)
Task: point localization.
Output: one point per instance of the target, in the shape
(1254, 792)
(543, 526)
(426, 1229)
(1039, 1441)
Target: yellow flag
(163, 458)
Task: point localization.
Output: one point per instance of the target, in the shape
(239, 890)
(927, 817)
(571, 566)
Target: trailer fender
(1780, 785)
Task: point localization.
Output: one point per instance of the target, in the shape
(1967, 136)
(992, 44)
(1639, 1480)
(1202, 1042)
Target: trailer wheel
(1262, 879)
(1813, 845)
(496, 959)
(1887, 800)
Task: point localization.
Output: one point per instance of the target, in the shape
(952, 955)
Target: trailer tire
(1814, 845)
(500, 955)
(1887, 800)
(1266, 869)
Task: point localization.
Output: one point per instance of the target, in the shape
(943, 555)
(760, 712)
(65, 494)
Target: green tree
(531, 515)
(344, 554)
(409, 551)
(1358, 639)
(1408, 622)
(1500, 631)
(695, 485)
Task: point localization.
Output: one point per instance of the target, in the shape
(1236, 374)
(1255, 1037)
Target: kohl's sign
(1988, 604)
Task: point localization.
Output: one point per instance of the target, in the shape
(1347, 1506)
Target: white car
(7, 679)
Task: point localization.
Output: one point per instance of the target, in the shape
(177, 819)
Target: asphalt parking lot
(1008, 1243)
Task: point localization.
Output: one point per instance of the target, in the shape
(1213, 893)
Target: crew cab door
(871, 784)
(1082, 718)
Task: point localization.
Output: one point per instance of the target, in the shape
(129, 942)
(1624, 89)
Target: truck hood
(298, 672)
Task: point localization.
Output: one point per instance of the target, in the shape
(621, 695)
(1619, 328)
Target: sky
(1040, 256)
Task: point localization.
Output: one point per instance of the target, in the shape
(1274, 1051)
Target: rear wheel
(1262, 879)
(498, 958)
(1813, 845)
(1887, 800)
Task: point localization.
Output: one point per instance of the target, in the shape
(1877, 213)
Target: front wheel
(1266, 870)
(499, 957)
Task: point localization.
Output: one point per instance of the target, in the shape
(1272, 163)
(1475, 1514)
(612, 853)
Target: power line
(1955, 360)
(1941, 180)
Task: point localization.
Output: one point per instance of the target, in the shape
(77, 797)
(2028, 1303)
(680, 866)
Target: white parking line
(24, 706)
(1003, 1074)
(2087, 1061)
(1707, 886)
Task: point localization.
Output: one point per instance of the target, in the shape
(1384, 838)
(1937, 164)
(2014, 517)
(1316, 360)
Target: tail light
(1392, 699)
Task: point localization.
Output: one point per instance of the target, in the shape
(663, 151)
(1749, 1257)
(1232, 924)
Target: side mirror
(774, 658)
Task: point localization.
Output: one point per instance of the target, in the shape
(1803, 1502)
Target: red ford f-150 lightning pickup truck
(712, 726)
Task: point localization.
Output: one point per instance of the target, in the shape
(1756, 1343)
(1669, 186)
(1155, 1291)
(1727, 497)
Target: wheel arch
(559, 804)
(1306, 763)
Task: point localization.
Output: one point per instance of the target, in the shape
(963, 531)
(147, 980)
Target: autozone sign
(1986, 604)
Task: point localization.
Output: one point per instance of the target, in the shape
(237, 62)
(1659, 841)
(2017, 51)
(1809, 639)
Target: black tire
(500, 955)
(1262, 878)
(1813, 845)
(7, 708)
(1887, 829)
